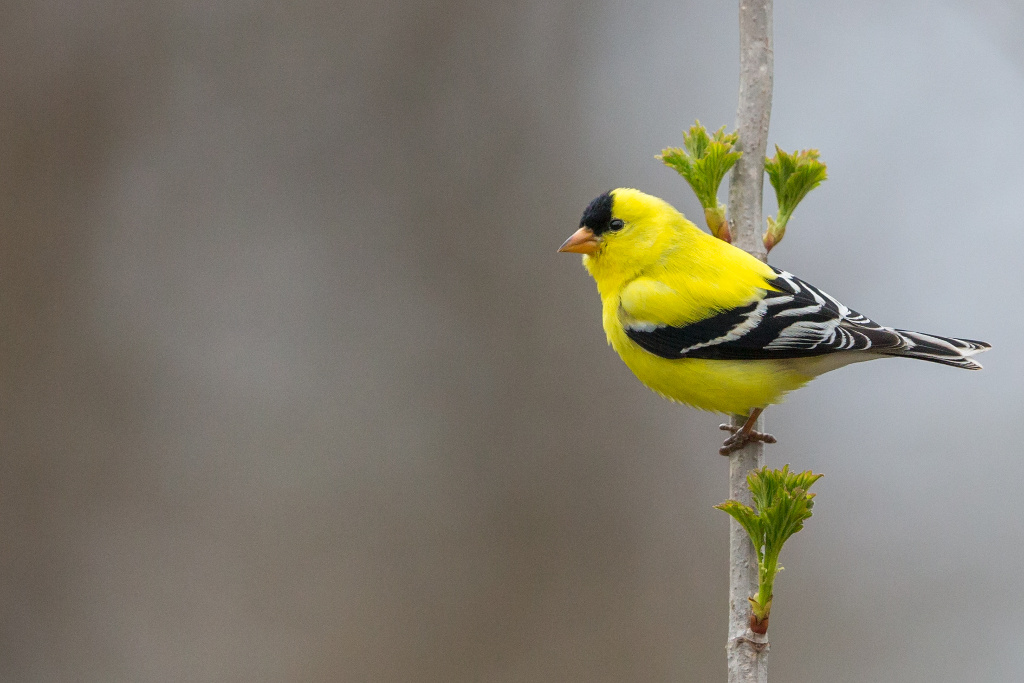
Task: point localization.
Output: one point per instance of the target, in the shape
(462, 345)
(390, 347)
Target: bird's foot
(741, 437)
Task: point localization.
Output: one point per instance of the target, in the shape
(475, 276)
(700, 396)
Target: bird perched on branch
(704, 323)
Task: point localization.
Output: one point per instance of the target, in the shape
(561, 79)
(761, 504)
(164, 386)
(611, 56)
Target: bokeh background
(294, 386)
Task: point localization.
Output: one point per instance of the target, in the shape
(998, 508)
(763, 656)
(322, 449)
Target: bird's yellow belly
(725, 386)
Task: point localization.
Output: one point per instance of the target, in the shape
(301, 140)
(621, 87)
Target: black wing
(797, 321)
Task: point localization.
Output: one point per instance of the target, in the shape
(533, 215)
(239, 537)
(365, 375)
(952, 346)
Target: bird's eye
(616, 224)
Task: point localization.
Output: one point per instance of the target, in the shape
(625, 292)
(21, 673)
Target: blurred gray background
(294, 386)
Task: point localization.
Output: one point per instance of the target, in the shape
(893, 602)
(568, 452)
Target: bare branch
(755, 102)
(747, 652)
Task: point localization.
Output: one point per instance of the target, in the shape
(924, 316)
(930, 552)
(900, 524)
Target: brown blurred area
(287, 393)
(294, 386)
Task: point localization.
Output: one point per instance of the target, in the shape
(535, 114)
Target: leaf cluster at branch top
(703, 161)
(792, 176)
(781, 506)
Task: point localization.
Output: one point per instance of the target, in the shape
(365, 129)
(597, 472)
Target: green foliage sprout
(781, 505)
(792, 176)
(703, 161)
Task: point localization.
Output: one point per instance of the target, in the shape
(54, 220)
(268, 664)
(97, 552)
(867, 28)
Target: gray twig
(747, 652)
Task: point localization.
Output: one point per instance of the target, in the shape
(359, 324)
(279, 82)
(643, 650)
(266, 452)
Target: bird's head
(623, 231)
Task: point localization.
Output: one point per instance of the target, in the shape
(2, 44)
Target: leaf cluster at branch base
(782, 504)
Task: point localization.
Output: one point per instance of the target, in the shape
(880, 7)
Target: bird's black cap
(598, 214)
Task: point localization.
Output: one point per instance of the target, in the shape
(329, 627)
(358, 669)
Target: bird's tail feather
(945, 350)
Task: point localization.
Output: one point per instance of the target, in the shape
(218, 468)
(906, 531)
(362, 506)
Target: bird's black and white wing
(797, 320)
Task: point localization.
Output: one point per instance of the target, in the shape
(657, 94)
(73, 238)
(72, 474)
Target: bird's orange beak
(583, 241)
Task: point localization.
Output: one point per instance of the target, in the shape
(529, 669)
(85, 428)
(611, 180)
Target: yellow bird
(704, 323)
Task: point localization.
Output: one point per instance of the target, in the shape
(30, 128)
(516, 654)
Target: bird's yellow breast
(724, 386)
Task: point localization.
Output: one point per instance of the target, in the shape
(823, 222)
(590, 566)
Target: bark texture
(747, 652)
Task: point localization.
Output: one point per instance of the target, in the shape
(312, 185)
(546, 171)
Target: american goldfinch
(702, 322)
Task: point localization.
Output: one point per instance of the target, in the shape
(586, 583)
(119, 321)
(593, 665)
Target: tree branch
(747, 652)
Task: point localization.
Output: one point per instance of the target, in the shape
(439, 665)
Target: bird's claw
(741, 438)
